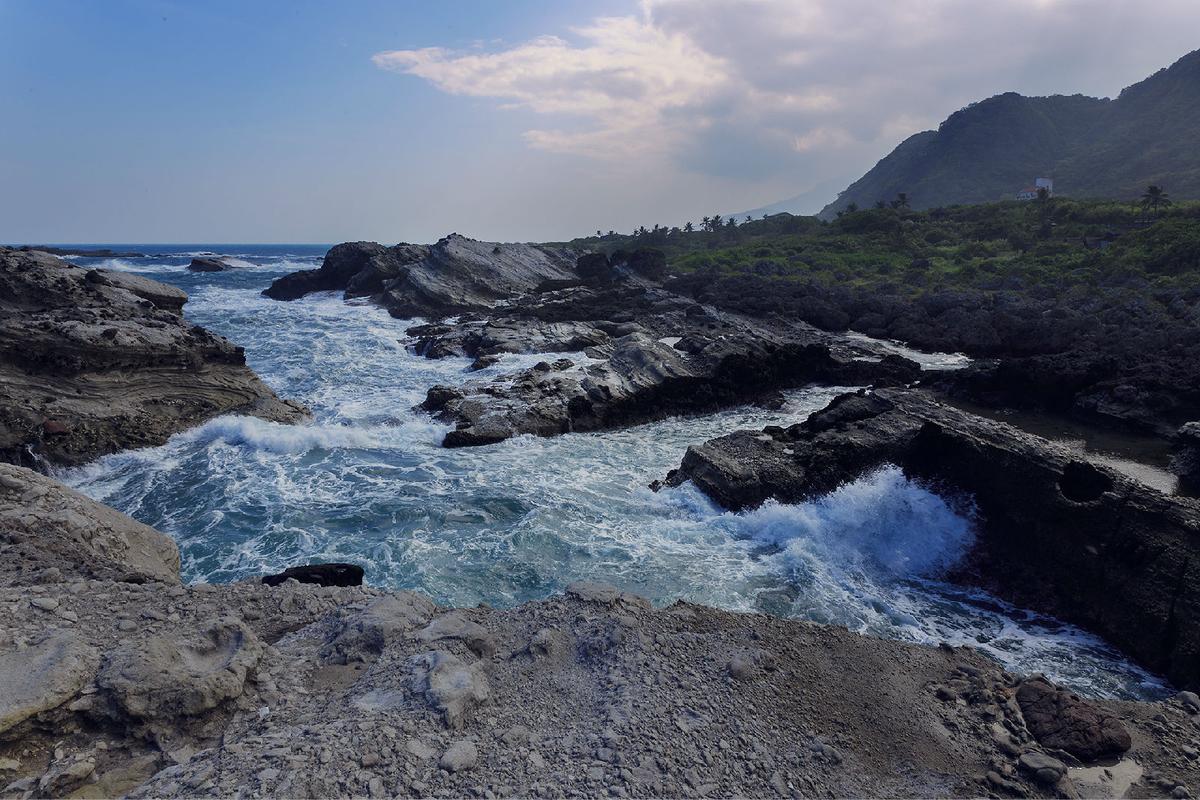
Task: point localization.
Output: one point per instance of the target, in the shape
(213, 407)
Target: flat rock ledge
(1057, 533)
(149, 688)
(96, 361)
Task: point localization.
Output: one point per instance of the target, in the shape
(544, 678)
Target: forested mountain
(1090, 147)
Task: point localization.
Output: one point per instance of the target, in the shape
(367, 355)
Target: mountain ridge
(1092, 147)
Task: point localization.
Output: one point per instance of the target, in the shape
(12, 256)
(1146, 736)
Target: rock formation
(94, 361)
(1056, 533)
(131, 684)
(456, 274)
(208, 264)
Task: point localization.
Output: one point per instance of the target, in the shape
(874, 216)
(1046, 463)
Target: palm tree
(717, 222)
(706, 223)
(1155, 199)
(901, 200)
(688, 227)
(851, 208)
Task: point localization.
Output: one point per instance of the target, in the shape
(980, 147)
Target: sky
(522, 120)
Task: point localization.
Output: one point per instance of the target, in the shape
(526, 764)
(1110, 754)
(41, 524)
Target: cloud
(804, 89)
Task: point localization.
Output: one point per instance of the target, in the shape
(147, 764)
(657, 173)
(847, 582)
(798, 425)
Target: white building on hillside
(1031, 192)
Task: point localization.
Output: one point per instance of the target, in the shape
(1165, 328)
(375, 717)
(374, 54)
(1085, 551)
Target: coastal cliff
(96, 361)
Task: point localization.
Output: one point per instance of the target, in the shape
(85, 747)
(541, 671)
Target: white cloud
(796, 90)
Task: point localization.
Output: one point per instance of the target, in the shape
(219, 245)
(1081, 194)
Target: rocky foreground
(95, 361)
(116, 679)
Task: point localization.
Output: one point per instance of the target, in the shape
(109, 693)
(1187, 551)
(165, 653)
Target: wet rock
(43, 676)
(1061, 720)
(165, 677)
(320, 574)
(1185, 460)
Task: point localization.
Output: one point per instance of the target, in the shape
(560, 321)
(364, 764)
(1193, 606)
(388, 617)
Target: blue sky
(150, 120)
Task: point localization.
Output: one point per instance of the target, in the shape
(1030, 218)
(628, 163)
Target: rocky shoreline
(637, 351)
(1057, 533)
(116, 679)
(96, 361)
(122, 681)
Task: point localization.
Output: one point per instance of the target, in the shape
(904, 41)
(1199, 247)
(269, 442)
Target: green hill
(1092, 148)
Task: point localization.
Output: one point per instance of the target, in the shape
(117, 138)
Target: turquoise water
(367, 482)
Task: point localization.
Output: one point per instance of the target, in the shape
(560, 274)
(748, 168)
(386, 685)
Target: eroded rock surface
(1056, 532)
(94, 361)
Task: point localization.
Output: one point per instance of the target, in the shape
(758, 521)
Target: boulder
(43, 676)
(184, 674)
(455, 625)
(1044, 769)
(1062, 720)
(49, 526)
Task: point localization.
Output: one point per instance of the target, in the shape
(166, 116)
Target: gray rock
(165, 677)
(43, 676)
(449, 686)
(461, 755)
(456, 625)
(54, 527)
(1043, 768)
(362, 637)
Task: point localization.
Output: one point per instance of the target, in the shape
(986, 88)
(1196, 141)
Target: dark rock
(102, 252)
(1054, 532)
(1185, 460)
(1061, 720)
(320, 574)
(208, 264)
(94, 361)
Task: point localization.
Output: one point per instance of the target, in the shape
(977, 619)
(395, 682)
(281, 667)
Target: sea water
(367, 482)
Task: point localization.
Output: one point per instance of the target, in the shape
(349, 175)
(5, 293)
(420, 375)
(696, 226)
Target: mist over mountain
(1091, 147)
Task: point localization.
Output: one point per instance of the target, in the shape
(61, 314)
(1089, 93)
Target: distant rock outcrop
(208, 264)
(94, 361)
(454, 275)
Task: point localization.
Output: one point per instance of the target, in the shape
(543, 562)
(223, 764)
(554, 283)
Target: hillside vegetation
(1091, 147)
(1092, 307)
